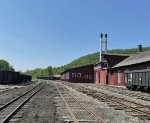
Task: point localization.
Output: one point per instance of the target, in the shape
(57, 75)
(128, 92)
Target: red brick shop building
(84, 74)
(101, 70)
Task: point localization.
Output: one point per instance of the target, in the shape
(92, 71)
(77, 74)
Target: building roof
(135, 59)
(76, 68)
(116, 54)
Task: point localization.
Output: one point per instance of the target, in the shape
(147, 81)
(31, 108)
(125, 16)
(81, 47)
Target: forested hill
(84, 60)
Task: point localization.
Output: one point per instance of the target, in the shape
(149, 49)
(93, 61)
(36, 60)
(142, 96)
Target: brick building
(101, 69)
(84, 74)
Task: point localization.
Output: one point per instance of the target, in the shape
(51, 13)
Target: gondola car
(28, 78)
(138, 79)
(25, 78)
(9, 77)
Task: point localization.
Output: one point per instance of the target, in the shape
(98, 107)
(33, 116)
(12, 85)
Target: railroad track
(135, 109)
(126, 92)
(136, 94)
(8, 110)
(4, 90)
(77, 110)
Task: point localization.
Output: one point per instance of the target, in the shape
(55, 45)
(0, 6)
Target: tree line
(39, 72)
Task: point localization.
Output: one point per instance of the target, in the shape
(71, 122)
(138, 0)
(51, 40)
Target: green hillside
(84, 60)
(93, 59)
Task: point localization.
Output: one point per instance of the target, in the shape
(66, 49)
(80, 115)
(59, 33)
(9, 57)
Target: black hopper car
(138, 79)
(9, 77)
(49, 78)
(45, 78)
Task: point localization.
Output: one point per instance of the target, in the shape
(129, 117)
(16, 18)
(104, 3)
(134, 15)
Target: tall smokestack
(101, 46)
(139, 49)
(105, 43)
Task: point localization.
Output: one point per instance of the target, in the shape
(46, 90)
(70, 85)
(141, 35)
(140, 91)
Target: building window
(86, 76)
(119, 76)
(90, 77)
(79, 75)
(104, 65)
(73, 74)
(126, 78)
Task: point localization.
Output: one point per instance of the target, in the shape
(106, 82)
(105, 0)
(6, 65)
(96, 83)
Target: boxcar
(138, 79)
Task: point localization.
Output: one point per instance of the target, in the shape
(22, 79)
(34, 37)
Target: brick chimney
(139, 49)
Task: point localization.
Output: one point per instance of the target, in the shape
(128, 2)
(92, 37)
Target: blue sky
(39, 33)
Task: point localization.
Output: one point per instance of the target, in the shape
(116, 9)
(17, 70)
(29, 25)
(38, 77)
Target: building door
(107, 79)
(99, 77)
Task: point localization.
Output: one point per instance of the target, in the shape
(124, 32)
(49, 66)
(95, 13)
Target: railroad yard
(81, 61)
(49, 101)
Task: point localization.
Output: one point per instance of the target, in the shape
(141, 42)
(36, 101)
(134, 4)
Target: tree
(4, 65)
(11, 68)
(50, 71)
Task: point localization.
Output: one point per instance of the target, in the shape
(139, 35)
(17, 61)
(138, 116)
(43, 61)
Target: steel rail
(100, 120)
(19, 107)
(94, 91)
(126, 105)
(67, 106)
(97, 118)
(118, 101)
(126, 92)
(4, 106)
(131, 107)
(4, 90)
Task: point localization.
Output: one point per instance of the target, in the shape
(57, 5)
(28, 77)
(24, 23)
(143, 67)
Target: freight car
(46, 78)
(9, 77)
(25, 78)
(138, 79)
